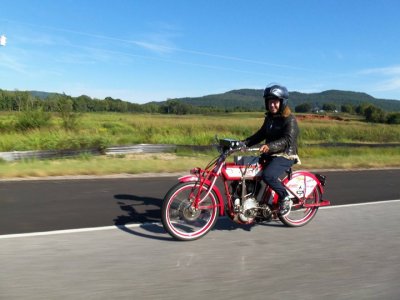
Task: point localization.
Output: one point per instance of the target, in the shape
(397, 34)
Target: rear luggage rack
(321, 178)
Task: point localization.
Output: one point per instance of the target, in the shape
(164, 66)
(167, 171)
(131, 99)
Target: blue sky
(149, 50)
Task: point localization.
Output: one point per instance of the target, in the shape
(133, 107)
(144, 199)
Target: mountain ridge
(252, 98)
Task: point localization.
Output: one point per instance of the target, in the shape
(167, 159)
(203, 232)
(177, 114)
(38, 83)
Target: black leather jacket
(280, 133)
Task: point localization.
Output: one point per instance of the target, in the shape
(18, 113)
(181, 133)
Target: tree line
(25, 101)
(68, 105)
(370, 112)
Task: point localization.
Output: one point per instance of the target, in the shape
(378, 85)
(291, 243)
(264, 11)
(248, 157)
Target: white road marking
(359, 204)
(67, 231)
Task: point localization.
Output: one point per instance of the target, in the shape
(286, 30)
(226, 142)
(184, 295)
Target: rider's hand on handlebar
(264, 149)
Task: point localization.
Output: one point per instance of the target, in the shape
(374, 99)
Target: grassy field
(104, 130)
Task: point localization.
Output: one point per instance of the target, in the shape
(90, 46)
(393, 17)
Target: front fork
(203, 183)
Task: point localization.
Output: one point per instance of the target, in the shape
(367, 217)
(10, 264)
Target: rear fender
(194, 178)
(307, 182)
(321, 183)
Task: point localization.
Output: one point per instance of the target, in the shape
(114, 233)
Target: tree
(51, 103)
(66, 111)
(329, 106)
(150, 108)
(6, 100)
(176, 107)
(360, 109)
(374, 114)
(347, 108)
(303, 108)
(21, 100)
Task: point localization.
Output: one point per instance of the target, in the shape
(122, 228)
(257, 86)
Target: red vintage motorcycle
(191, 207)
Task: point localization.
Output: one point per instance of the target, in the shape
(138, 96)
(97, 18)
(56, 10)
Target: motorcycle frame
(217, 169)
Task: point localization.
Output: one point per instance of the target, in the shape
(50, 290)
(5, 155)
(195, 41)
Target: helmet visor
(272, 97)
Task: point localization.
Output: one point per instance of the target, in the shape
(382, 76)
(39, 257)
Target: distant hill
(252, 98)
(41, 95)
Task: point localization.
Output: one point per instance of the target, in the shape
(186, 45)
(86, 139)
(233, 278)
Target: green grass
(102, 165)
(106, 129)
(101, 130)
(349, 157)
(352, 131)
(311, 157)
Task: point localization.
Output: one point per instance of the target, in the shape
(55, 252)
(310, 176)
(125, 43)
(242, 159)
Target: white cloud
(386, 79)
(392, 84)
(392, 70)
(154, 47)
(9, 62)
(3, 40)
(160, 39)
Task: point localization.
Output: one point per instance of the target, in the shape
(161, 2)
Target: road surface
(346, 252)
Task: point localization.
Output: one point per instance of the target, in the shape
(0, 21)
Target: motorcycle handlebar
(252, 149)
(243, 149)
(232, 146)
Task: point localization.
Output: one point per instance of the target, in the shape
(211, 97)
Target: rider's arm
(258, 136)
(288, 137)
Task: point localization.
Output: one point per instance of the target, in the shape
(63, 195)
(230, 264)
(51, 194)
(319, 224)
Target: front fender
(188, 178)
(194, 178)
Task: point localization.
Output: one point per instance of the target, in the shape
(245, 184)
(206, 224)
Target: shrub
(393, 118)
(32, 119)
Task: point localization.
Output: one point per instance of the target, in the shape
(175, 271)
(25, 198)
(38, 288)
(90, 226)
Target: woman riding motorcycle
(280, 131)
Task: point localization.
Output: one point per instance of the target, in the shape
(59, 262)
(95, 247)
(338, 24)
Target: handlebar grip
(253, 149)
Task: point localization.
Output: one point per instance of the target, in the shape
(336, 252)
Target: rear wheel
(181, 219)
(300, 215)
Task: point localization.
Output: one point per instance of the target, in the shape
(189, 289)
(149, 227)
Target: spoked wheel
(181, 219)
(300, 215)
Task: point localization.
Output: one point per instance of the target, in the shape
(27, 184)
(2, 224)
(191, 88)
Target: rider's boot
(285, 205)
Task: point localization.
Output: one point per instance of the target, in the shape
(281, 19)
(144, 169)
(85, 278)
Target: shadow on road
(147, 212)
(140, 210)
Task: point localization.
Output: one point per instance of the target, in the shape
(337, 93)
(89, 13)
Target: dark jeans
(274, 168)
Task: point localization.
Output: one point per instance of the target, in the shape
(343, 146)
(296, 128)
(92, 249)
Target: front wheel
(179, 216)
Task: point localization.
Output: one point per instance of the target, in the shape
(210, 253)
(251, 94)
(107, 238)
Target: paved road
(31, 206)
(346, 252)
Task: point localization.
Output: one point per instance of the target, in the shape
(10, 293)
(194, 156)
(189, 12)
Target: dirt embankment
(318, 117)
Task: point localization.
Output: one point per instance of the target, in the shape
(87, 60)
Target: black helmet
(276, 91)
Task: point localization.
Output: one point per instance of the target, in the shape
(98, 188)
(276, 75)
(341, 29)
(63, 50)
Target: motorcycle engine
(249, 209)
